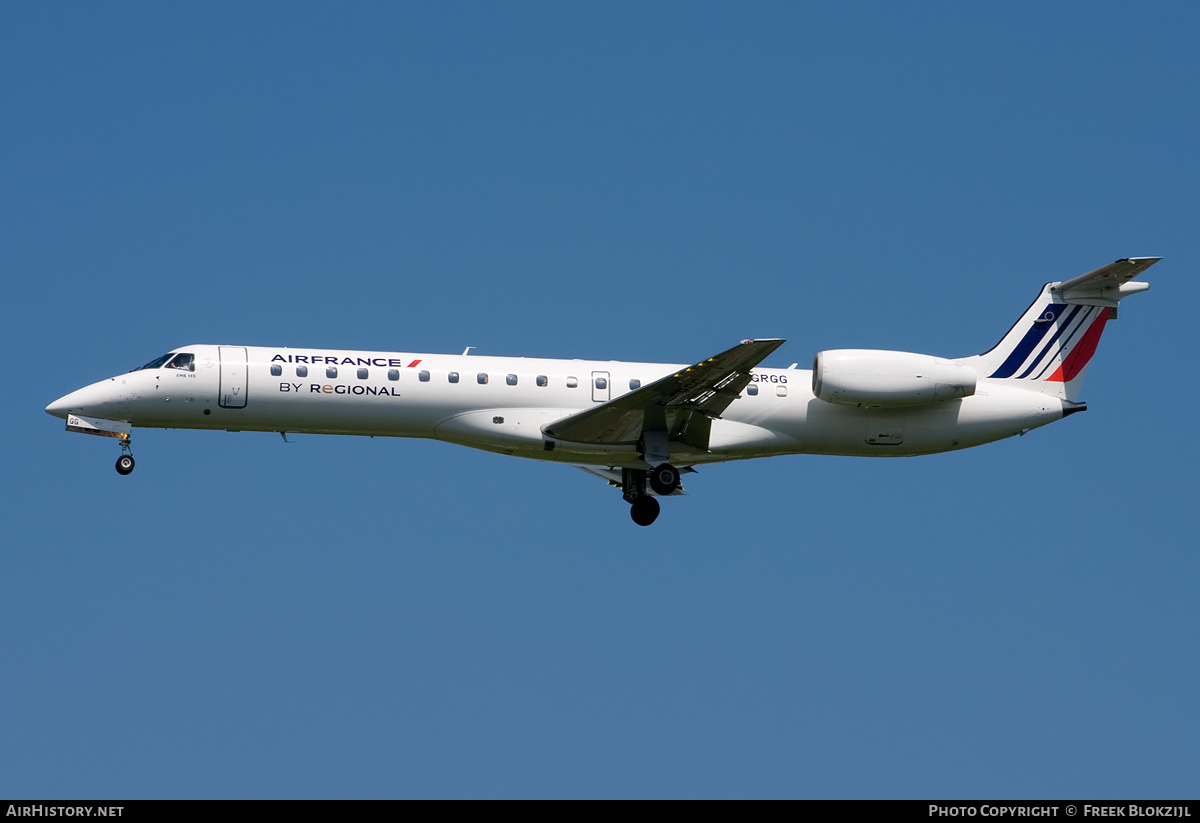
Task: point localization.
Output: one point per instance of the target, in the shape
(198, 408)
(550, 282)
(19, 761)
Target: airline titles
(337, 388)
(328, 360)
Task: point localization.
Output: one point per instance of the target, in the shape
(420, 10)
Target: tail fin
(1050, 347)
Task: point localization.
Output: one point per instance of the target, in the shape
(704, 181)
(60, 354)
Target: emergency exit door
(600, 390)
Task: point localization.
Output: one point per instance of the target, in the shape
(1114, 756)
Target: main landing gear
(644, 509)
(664, 479)
(125, 461)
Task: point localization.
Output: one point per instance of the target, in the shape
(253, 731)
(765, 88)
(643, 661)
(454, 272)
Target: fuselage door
(600, 390)
(232, 393)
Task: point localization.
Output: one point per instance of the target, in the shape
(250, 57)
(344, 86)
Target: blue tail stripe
(1066, 324)
(1084, 323)
(1032, 337)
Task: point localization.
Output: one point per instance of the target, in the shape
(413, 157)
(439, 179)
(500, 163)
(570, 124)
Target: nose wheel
(125, 461)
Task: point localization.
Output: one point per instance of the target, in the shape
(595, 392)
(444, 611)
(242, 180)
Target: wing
(682, 404)
(1108, 284)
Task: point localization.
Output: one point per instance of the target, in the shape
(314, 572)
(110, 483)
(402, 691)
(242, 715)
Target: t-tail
(1050, 347)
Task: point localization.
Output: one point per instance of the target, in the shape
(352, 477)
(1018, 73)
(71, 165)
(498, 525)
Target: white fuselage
(501, 404)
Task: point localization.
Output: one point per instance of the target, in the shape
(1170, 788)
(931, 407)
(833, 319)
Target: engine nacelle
(864, 377)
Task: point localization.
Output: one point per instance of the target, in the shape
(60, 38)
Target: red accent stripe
(413, 364)
(1081, 355)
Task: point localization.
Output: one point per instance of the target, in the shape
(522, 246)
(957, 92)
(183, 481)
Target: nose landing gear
(125, 461)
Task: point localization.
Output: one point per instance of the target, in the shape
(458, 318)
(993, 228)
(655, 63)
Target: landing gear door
(232, 394)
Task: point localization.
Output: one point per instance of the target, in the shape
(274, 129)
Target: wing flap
(613, 477)
(678, 404)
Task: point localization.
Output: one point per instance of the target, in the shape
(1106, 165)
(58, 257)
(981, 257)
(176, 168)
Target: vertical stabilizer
(1050, 347)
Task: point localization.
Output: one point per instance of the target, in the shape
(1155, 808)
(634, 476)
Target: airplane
(640, 426)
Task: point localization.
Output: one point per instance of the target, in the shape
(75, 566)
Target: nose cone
(90, 400)
(62, 406)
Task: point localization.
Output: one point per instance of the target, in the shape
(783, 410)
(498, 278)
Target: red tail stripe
(1081, 355)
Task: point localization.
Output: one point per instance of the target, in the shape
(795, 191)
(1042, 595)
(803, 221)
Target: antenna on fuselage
(467, 350)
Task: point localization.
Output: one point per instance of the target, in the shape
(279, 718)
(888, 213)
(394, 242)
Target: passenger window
(302, 371)
(423, 376)
(362, 374)
(511, 380)
(452, 377)
(635, 384)
(601, 382)
(572, 382)
(482, 378)
(331, 371)
(752, 390)
(543, 381)
(276, 370)
(393, 374)
(781, 391)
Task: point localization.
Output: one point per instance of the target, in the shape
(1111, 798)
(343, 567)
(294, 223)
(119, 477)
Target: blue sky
(346, 617)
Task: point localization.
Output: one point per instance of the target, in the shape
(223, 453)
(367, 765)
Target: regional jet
(640, 426)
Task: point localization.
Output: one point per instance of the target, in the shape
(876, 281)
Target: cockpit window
(184, 361)
(157, 362)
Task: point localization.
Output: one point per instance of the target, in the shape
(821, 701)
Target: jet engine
(864, 377)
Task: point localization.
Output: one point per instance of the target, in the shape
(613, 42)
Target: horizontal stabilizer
(1106, 285)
